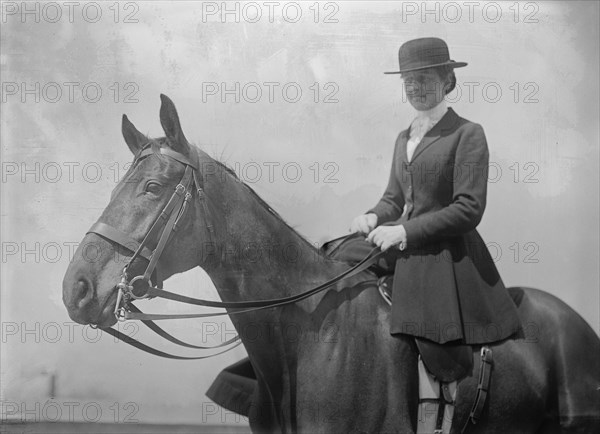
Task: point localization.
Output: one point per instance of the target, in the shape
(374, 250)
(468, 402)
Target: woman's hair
(446, 73)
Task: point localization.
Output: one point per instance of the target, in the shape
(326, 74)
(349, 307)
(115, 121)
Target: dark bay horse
(327, 363)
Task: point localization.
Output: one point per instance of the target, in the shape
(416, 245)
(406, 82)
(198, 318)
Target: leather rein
(164, 227)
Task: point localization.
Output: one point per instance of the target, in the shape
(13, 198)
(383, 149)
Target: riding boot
(436, 403)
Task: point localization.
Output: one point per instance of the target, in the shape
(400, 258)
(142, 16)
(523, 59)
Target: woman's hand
(388, 236)
(364, 223)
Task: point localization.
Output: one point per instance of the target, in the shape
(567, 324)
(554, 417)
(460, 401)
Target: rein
(161, 231)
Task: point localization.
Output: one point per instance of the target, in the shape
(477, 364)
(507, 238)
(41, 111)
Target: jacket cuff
(414, 234)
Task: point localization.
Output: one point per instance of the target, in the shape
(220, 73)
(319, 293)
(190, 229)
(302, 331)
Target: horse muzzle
(81, 298)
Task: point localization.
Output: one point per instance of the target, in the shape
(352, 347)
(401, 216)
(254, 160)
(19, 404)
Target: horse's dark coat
(328, 363)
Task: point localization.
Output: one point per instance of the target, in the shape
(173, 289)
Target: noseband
(164, 227)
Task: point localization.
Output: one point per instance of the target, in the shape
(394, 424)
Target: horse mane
(264, 204)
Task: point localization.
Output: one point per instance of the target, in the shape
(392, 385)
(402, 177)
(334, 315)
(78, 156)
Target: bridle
(162, 230)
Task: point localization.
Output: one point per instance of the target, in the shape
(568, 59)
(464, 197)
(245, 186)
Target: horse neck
(259, 256)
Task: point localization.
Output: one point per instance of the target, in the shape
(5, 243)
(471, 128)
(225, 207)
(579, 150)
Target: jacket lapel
(402, 146)
(435, 133)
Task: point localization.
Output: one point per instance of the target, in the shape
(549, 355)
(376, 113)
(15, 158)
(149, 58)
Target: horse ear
(134, 139)
(170, 124)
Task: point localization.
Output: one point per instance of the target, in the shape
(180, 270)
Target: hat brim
(450, 63)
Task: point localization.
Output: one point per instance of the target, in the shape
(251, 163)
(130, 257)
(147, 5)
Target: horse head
(137, 202)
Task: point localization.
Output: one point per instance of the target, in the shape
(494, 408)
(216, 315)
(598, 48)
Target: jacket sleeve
(469, 193)
(391, 204)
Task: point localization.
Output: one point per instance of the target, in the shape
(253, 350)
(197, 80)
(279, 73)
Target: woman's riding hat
(424, 53)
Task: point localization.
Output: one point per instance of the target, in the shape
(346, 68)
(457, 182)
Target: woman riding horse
(446, 286)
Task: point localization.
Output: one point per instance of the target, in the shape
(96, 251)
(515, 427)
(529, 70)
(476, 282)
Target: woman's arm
(469, 197)
(391, 204)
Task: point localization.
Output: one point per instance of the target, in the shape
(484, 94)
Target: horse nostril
(82, 293)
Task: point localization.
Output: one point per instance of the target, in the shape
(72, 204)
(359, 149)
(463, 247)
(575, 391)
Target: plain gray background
(542, 129)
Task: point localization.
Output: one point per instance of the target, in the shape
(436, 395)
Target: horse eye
(153, 187)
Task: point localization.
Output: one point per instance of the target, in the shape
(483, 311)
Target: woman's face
(424, 88)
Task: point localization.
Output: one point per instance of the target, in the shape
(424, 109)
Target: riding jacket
(446, 285)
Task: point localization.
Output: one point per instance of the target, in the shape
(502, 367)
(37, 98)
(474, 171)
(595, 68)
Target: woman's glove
(364, 223)
(388, 236)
